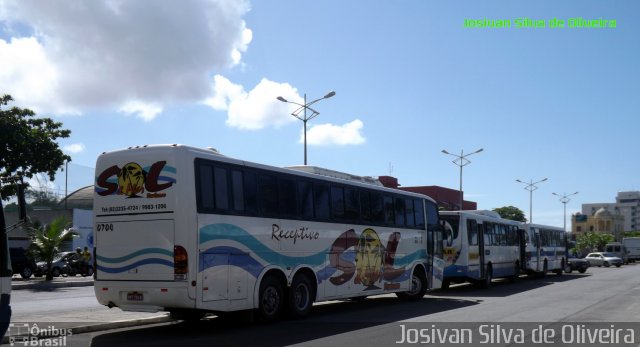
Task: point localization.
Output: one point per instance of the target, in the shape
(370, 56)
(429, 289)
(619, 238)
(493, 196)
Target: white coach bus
(546, 249)
(480, 246)
(190, 231)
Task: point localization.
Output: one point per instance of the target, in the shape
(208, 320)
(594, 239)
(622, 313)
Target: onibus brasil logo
(25, 334)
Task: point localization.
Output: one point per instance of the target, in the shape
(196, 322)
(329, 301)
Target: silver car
(603, 259)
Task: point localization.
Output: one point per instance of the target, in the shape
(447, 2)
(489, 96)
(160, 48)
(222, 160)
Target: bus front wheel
(300, 296)
(271, 299)
(418, 287)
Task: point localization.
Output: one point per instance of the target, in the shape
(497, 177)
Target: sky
(410, 80)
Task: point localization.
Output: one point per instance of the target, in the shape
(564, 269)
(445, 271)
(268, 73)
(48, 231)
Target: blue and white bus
(546, 249)
(190, 231)
(480, 246)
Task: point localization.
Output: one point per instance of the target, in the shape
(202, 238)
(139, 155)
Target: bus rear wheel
(271, 299)
(300, 296)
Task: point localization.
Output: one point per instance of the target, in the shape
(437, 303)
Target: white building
(627, 204)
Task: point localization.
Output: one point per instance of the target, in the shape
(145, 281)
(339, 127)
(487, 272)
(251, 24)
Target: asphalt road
(601, 295)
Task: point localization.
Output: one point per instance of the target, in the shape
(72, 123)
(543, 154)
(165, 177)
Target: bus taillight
(180, 263)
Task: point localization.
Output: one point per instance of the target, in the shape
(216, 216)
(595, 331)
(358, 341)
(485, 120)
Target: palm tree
(48, 238)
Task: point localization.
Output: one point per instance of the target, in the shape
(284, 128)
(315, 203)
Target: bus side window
(419, 213)
(400, 217)
(287, 197)
(250, 192)
(267, 195)
(205, 187)
(305, 198)
(237, 189)
(377, 208)
(408, 207)
(488, 234)
(221, 188)
(389, 218)
(352, 205)
(337, 203)
(472, 230)
(321, 200)
(365, 205)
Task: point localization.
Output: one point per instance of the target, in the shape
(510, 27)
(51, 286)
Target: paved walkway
(95, 318)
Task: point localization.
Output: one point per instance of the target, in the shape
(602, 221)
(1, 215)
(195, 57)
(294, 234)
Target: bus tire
(561, 269)
(516, 273)
(271, 299)
(300, 296)
(445, 284)
(418, 287)
(488, 278)
(545, 269)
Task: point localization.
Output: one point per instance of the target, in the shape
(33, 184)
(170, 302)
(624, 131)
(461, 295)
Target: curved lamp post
(564, 199)
(531, 186)
(461, 161)
(304, 118)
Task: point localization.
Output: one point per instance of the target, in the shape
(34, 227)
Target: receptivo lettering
(302, 233)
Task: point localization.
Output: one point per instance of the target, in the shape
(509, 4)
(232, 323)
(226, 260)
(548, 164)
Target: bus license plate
(135, 296)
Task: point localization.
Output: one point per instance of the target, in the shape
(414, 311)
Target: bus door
(481, 258)
(522, 241)
(473, 249)
(435, 258)
(537, 249)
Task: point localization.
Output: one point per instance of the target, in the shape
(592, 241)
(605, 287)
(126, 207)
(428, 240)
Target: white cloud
(256, 109)
(146, 111)
(74, 148)
(74, 55)
(341, 135)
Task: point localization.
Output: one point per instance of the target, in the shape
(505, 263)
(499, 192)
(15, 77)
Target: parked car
(618, 250)
(603, 259)
(58, 264)
(575, 263)
(21, 263)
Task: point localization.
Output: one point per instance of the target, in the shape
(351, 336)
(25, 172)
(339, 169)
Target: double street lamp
(564, 199)
(461, 161)
(531, 186)
(304, 117)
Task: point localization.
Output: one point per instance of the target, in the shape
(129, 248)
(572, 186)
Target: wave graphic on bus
(394, 270)
(129, 257)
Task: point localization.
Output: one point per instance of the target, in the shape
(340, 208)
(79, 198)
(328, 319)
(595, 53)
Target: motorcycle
(74, 267)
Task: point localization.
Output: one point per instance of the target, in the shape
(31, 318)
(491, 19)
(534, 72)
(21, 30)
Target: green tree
(47, 240)
(27, 146)
(592, 241)
(511, 212)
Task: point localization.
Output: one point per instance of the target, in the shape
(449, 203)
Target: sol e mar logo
(132, 180)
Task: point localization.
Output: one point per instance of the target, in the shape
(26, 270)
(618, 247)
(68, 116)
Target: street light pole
(304, 118)
(461, 161)
(564, 199)
(531, 186)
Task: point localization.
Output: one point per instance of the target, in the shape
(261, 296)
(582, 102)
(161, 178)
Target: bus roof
(214, 154)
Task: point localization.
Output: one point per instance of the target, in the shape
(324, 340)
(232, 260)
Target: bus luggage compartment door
(223, 277)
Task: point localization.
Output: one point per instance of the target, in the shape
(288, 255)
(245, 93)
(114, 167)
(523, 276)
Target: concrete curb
(104, 326)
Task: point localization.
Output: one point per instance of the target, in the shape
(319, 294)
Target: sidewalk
(39, 283)
(90, 319)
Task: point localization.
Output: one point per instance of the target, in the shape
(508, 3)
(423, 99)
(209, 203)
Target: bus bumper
(143, 296)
